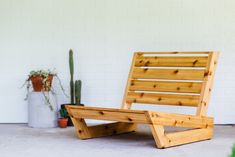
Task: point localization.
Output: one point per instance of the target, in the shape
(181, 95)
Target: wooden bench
(162, 78)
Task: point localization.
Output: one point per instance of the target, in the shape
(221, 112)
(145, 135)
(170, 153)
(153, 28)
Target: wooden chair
(163, 78)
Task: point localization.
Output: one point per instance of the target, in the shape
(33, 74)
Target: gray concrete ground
(22, 141)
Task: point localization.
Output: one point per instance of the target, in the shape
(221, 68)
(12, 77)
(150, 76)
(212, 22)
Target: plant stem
(47, 98)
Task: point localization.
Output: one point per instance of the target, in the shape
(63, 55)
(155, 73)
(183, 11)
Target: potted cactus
(63, 120)
(75, 87)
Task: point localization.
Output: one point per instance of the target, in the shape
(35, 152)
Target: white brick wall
(105, 33)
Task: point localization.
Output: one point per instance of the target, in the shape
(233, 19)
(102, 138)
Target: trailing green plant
(75, 88)
(64, 113)
(44, 74)
(233, 151)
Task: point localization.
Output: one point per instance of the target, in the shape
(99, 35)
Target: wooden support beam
(207, 85)
(111, 129)
(81, 128)
(159, 136)
(121, 115)
(158, 132)
(125, 104)
(188, 136)
(181, 120)
(85, 132)
(164, 140)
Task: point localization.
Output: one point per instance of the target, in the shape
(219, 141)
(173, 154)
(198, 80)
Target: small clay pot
(62, 122)
(70, 123)
(38, 85)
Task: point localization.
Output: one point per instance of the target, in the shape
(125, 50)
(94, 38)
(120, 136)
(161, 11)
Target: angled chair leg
(158, 131)
(85, 132)
(189, 136)
(81, 128)
(159, 136)
(164, 140)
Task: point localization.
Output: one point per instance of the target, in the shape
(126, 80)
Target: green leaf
(233, 151)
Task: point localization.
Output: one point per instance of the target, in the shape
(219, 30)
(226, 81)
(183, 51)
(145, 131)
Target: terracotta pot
(62, 122)
(70, 123)
(38, 85)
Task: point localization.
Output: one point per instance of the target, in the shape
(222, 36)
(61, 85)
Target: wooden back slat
(178, 61)
(163, 99)
(172, 74)
(170, 78)
(175, 52)
(166, 86)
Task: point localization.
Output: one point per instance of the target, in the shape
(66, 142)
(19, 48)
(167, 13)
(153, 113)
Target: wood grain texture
(85, 132)
(188, 136)
(159, 136)
(169, 74)
(165, 140)
(158, 132)
(125, 104)
(175, 52)
(171, 61)
(166, 86)
(80, 125)
(111, 129)
(163, 99)
(187, 93)
(121, 115)
(181, 120)
(208, 83)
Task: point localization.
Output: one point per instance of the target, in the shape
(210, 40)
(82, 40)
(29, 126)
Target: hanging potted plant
(63, 120)
(41, 81)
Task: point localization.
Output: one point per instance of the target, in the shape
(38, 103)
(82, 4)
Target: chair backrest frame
(171, 78)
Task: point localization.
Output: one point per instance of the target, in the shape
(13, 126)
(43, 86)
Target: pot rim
(63, 118)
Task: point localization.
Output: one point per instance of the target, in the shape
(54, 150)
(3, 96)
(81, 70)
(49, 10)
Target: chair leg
(85, 132)
(81, 127)
(189, 136)
(164, 140)
(159, 136)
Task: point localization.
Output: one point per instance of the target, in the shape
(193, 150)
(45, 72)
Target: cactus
(78, 86)
(71, 67)
(63, 113)
(74, 87)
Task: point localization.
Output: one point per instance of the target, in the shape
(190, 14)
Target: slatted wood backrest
(171, 78)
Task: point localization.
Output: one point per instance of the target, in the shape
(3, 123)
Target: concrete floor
(22, 141)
